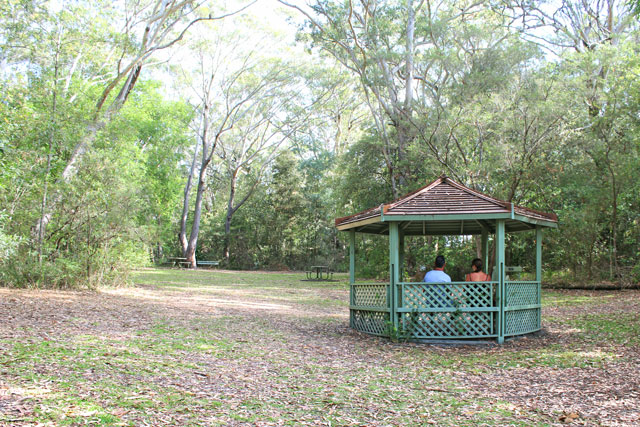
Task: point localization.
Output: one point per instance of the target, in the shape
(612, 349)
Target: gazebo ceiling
(446, 207)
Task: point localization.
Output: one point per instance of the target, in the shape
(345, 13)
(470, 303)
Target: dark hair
(440, 261)
(478, 263)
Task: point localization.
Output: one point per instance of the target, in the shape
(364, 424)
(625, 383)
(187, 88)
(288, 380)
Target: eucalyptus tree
(338, 114)
(608, 135)
(242, 99)
(254, 142)
(365, 37)
(595, 42)
(147, 28)
(575, 25)
(225, 97)
(406, 56)
(43, 51)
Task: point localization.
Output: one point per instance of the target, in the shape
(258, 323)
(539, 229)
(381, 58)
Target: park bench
(208, 263)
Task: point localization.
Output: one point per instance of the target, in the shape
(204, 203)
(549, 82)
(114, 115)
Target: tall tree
(148, 28)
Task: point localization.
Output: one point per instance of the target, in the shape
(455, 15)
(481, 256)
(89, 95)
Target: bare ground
(290, 346)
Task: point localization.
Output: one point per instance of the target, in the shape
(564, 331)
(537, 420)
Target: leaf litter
(222, 355)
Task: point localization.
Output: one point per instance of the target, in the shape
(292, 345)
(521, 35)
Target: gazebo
(446, 311)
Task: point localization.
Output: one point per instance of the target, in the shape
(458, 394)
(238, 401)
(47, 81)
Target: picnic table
(178, 261)
(321, 272)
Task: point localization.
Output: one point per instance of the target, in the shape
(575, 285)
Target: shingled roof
(446, 207)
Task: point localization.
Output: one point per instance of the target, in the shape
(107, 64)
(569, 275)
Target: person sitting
(477, 275)
(437, 275)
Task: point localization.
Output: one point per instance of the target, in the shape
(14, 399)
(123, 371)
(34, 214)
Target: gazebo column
(352, 257)
(401, 267)
(352, 273)
(539, 254)
(539, 270)
(501, 286)
(485, 250)
(394, 269)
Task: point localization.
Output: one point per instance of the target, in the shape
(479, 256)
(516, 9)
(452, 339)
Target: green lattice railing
(522, 311)
(447, 310)
(369, 304)
(453, 310)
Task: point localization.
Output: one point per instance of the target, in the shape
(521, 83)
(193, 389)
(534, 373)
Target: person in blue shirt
(437, 275)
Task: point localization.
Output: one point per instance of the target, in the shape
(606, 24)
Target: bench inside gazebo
(467, 311)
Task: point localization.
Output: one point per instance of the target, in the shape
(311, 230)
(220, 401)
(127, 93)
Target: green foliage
(123, 201)
(488, 107)
(8, 244)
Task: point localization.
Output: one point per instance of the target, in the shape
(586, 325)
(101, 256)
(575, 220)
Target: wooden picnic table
(177, 261)
(319, 271)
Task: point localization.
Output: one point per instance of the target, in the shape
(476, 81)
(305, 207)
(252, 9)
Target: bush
(107, 267)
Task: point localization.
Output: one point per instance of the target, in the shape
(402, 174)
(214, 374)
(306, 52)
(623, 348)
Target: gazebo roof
(445, 207)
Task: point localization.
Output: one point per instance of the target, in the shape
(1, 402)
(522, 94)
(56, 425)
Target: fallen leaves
(221, 355)
(568, 418)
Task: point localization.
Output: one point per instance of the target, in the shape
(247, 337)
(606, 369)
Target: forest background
(132, 131)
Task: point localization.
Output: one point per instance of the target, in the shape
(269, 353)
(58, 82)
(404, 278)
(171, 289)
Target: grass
(247, 348)
(554, 298)
(619, 328)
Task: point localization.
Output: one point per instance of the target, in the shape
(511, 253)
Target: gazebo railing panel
(447, 310)
(369, 308)
(370, 322)
(370, 295)
(522, 307)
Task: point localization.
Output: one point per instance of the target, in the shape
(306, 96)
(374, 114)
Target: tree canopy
(135, 131)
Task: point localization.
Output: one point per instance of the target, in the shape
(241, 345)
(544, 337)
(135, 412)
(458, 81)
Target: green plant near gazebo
(497, 308)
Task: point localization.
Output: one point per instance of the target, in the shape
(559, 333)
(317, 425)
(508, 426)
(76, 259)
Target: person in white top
(437, 275)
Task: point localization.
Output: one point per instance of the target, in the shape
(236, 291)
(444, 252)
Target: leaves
(221, 347)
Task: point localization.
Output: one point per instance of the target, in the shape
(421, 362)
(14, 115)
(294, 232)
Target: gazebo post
(352, 273)
(352, 257)
(539, 270)
(501, 288)
(401, 256)
(539, 254)
(485, 250)
(394, 267)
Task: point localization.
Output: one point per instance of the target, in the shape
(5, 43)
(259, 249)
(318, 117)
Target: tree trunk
(614, 222)
(190, 253)
(492, 258)
(98, 123)
(405, 111)
(182, 235)
(229, 217)
(613, 242)
(52, 135)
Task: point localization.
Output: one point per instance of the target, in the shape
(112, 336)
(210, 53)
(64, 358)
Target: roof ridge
(551, 215)
(344, 218)
(414, 194)
(476, 193)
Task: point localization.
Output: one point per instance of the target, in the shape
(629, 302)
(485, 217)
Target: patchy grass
(619, 328)
(252, 348)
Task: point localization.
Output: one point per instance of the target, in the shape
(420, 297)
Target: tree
(149, 27)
